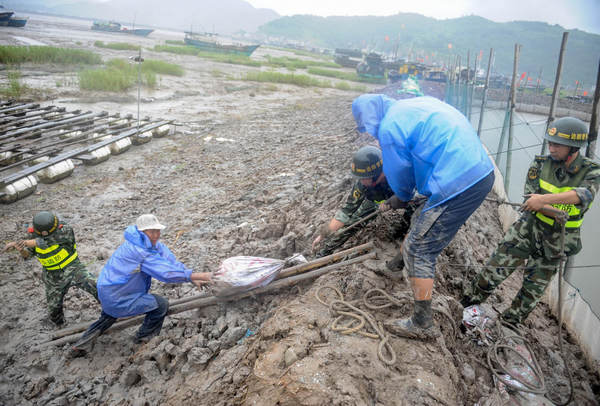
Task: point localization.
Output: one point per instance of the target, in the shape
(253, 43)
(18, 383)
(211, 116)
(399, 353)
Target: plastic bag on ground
(479, 321)
(243, 273)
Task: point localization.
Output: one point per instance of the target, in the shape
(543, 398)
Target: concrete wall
(578, 318)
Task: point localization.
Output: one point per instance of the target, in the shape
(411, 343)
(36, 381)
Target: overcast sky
(581, 14)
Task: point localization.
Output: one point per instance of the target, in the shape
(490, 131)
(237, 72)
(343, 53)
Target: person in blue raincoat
(430, 148)
(125, 281)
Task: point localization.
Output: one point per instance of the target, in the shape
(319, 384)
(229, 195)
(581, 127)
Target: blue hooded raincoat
(427, 146)
(125, 280)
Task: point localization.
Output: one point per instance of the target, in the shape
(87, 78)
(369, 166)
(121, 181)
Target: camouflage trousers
(515, 250)
(59, 281)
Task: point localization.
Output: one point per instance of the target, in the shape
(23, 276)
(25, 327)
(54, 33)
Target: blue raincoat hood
(126, 278)
(427, 146)
(369, 110)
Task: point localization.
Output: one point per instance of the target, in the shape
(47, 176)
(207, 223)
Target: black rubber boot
(396, 264)
(419, 326)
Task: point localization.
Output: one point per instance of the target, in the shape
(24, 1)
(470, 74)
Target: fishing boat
(5, 15)
(113, 26)
(16, 21)
(211, 43)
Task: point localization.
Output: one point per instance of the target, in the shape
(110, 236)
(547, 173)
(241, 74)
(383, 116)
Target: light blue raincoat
(125, 280)
(427, 146)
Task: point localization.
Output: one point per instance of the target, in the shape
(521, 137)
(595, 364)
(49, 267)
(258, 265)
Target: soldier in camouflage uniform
(54, 246)
(369, 191)
(565, 180)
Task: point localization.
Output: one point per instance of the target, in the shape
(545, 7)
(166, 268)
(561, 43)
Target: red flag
(480, 53)
(449, 46)
(585, 92)
(528, 78)
(387, 38)
(523, 75)
(576, 82)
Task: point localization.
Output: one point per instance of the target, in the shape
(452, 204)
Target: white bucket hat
(148, 222)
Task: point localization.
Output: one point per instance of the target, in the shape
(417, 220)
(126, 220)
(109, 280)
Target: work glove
(324, 232)
(393, 203)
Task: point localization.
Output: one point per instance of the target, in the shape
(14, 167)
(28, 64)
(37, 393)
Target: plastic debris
(243, 273)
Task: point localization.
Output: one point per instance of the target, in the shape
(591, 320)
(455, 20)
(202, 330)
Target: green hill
(417, 36)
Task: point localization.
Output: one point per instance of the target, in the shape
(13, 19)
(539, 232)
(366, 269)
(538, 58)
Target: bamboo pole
(466, 87)
(513, 101)
(485, 90)
(12, 109)
(556, 90)
(211, 300)
(593, 132)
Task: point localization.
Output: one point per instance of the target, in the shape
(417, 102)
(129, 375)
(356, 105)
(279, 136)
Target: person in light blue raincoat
(430, 148)
(124, 282)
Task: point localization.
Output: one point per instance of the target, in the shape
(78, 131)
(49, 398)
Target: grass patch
(289, 78)
(15, 89)
(180, 50)
(298, 80)
(214, 56)
(162, 67)
(296, 63)
(119, 46)
(14, 55)
(119, 75)
(351, 76)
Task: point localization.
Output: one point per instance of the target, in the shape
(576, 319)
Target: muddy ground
(253, 169)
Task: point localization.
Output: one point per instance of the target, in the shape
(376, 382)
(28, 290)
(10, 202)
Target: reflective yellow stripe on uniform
(57, 261)
(569, 208)
(379, 201)
(65, 263)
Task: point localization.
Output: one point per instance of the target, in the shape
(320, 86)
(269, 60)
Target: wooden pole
(466, 87)
(593, 132)
(513, 102)
(485, 90)
(556, 90)
(211, 300)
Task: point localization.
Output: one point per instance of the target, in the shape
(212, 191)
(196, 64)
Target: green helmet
(45, 223)
(367, 162)
(569, 131)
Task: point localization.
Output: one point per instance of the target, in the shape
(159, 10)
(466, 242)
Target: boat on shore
(15, 21)
(211, 43)
(113, 26)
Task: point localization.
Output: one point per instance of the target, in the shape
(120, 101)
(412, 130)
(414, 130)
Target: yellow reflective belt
(64, 264)
(379, 201)
(47, 250)
(550, 221)
(569, 208)
(58, 260)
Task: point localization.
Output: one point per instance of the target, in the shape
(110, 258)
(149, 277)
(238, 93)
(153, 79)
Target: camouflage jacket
(548, 176)
(57, 250)
(359, 194)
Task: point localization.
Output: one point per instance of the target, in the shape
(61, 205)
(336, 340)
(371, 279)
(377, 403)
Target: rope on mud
(384, 299)
(500, 371)
(359, 316)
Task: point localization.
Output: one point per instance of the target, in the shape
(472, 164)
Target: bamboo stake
(211, 300)
(513, 101)
(593, 132)
(556, 91)
(485, 90)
